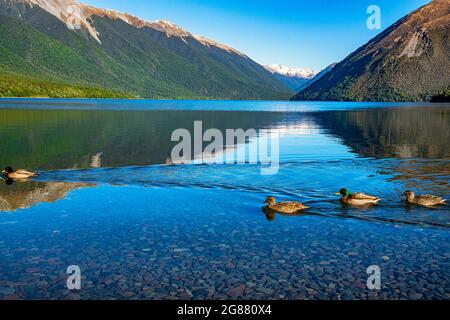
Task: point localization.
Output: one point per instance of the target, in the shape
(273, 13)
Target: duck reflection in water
(7, 181)
(270, 214)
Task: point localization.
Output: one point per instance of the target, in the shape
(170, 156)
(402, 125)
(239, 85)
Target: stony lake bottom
(107, 201)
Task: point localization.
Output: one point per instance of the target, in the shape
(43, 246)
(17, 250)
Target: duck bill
(337, 193)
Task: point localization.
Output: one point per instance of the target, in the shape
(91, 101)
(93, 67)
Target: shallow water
(141, 229)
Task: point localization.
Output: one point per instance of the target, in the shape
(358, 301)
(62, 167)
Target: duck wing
(293, 204)
(362, 196)
(25, 172)
(288, 207)
(429, 199)
(18, 176)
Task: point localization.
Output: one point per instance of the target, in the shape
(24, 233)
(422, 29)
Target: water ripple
(306, 181)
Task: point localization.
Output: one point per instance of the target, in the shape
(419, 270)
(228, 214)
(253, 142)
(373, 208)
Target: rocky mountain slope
(316, 77)
(409, 61)
(62, 43)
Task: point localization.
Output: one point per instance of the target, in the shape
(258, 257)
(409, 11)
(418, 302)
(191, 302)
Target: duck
(19, 174)
(290, 207)
(426, 200)
(357, 199)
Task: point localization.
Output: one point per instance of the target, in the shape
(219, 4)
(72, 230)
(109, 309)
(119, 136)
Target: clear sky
(303, 33)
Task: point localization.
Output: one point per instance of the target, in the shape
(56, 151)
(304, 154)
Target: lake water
(108, 201)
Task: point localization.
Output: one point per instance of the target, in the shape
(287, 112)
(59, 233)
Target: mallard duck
(20, 174)
(291, 207)
(424, 200)
(357, 199)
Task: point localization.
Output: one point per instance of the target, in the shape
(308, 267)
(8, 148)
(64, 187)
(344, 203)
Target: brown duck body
(426, 200)
(290, 207)
(287, 207)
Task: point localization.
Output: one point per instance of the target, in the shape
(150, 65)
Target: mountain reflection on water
(64, 139)
(67, 139)
(412, 140)
(392, 133)
(22, 195)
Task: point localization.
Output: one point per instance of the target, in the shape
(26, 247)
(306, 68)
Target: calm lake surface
(108, 200)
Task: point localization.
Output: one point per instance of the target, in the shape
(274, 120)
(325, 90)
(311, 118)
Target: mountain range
(293, 77)
(409, 61)
(62, 48)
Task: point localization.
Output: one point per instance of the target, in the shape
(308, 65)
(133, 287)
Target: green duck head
(8, 170)
(344, 192)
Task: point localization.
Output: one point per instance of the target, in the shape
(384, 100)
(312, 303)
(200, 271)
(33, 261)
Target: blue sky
(304, 33)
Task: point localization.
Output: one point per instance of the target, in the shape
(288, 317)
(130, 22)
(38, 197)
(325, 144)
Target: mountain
(409, 61)
(298, 72)
(292, 77)
(65, 48)
(317, 77)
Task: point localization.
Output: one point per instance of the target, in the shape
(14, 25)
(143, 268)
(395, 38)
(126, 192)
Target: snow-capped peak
(297, 72)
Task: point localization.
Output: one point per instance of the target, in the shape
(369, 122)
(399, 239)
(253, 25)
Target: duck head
(8, 170)
(409, 194)
(343, 192)
(270, 201)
